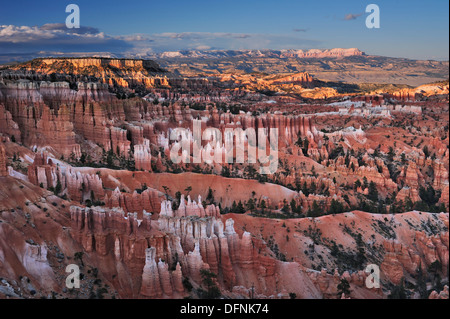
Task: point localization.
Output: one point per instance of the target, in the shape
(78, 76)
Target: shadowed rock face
(142, 257)
(86, 177)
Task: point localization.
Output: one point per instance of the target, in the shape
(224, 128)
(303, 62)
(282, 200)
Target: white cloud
(55, 37)
(16, 39)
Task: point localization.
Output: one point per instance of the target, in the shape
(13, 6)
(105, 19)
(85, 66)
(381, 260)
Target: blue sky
(413, 29)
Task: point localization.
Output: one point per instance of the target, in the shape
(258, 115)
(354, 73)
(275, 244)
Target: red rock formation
(7, 125)
(3, 168)
(411, 176)
(442, 295)
(116, 72)
(400, 259)
(211, 246)
(98, 229)
(406, 192)
(81, 185)
(143, 158)
(445, 196)
(137, 134)
(119, 142)
(405, 95)
(42, 171)
(440, 175)
(191, 208)
(148, 200)
(92, 226)
(151, 286)
(75, 184)
(144, 248)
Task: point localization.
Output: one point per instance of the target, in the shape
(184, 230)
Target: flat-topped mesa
(298, 78)
(77, 65)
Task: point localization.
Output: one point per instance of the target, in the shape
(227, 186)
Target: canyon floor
(88, 177)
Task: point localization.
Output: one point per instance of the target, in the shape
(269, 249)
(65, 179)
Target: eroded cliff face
(158, 253)
(120, 75)
(3, 159)
(140, 256)
(126, 73)
(402, 260)
(52, 114)
(86, 177)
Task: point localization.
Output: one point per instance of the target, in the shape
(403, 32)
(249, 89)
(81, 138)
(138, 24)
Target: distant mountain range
(215, 54)
(195, 54)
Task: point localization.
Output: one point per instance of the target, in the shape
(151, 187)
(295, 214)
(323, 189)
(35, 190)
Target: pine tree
(373, 192)
(240, 208)
(343, 288)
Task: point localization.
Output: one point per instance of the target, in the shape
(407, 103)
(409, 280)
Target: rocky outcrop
(157, 280)
(445, 199)
(411, 176)
(81, 185)
(202, 233)
(400, 259)
(36, 264)
(147, 200)
(328, 282)
(440, 175)
(143, 157)
(408, 193)
(77, 185)
(7, 124)
(93, 228)
(189, 208)
(126, 73)
(441, 295)
(3, 161)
